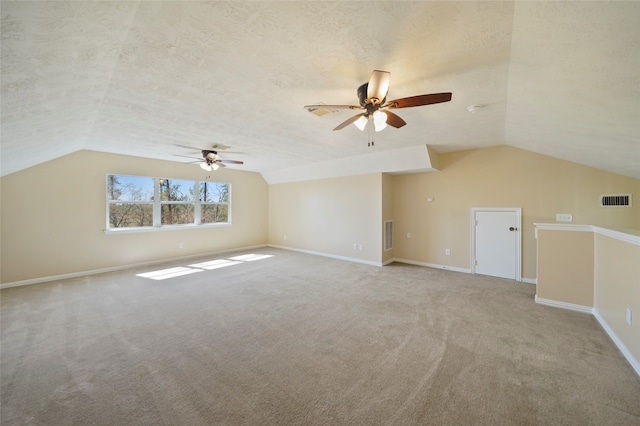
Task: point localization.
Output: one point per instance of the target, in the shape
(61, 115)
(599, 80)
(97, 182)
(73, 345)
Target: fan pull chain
(370, 125)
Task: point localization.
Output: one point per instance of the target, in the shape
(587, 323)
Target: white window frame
(157, 208)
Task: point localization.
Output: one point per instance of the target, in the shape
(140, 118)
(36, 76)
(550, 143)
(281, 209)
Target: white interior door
(497, 243)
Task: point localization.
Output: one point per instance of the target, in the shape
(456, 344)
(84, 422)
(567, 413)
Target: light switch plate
(564, 217)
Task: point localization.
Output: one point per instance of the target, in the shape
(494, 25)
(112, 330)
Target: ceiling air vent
(617, 200)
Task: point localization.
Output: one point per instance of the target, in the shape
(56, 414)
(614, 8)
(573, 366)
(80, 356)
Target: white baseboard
(614, 337)
(564, 305)
(432, 265)
(333, 256)
(533, 281)
(635, 364)
(122, 267)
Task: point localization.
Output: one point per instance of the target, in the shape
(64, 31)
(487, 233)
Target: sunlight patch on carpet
(215, 264)
(163, 274)
(251, 257)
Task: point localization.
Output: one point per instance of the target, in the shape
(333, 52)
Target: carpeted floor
(300, 339)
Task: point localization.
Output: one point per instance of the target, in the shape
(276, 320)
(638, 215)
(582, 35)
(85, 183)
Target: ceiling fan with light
(372, 97)
(210, 160)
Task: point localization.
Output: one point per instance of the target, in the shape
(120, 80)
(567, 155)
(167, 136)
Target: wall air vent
(388, 235)
(616, 200)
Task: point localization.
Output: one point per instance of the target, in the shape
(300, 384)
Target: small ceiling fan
(372, 97)
(210, 160)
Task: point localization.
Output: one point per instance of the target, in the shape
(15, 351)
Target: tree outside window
(137, 202)
(130, 201)
(214, 202)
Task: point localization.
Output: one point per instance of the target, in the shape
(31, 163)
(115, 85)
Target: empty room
(320, 213)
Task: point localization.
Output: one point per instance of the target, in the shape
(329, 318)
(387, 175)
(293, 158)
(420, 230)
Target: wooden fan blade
(322, 106)
(219, 147)
(215, 147)
(187, 156)
(394, 120)
(188, 147)
(420, 100)
(349, 121)
(230, 161)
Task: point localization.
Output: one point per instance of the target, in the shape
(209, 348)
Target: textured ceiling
(137, 78)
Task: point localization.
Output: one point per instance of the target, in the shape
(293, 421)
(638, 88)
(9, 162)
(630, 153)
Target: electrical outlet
(408, 234)
(360, 247)
(355, 246)
(447, 252)
(564, 217)
(180, 245)
(285, 238)
(629, 316)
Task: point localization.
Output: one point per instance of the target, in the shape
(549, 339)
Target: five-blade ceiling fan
(372, 97)
(210, 160)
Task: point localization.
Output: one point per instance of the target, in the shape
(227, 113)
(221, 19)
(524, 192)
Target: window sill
(164, 228)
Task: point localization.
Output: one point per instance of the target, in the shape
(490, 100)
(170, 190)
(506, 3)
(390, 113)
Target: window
(177, 205)
(214, 202)
(137, 202)
(129, 201)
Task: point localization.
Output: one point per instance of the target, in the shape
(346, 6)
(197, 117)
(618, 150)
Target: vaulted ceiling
(141, 77)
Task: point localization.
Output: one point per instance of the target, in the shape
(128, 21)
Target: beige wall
(565, 266)
(499, 177)
(53, 217)
(328, 216)
(617, 287)
(53, 214)
(596, 268)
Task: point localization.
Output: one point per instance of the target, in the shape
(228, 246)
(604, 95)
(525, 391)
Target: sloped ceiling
(139, 78)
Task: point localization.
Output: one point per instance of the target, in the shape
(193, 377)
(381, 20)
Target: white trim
(622, 236)
(432, 265)
(628, 237)
(122, 267)
(115, 231)
(616, 340)
(533, 281)
(563, 227)
(333, 256)
(564, 305)
(518, 212)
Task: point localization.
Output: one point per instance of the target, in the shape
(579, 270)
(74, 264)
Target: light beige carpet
(300, 339)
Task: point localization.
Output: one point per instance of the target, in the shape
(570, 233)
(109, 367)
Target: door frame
(518, 212)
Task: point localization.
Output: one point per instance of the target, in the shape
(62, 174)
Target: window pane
(124, 215)
(214, 192)
(176, 190)
(176, 214)
(213, 213)
(129, 188)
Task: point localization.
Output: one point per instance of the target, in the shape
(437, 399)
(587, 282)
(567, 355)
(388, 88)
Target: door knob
(513, 229)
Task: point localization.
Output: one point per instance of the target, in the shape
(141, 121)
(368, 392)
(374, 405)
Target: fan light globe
(214, 166)
(379, 120)
(205, 166)
(378, 87)
(361, 122)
